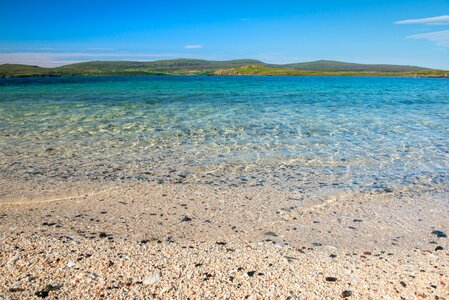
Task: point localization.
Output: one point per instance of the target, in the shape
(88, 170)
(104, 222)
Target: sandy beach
(136, 240)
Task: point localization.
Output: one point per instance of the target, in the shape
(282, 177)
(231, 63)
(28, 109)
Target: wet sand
(85, 239)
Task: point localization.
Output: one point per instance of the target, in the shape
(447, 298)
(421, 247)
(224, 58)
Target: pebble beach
(146, 241)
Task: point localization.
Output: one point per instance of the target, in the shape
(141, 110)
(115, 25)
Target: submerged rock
(186, 219)
(271, 233)
(439, 234)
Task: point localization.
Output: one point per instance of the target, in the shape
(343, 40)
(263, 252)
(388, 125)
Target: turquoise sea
(295, 132)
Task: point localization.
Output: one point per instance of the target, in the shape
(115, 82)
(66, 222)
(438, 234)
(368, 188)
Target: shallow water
(299, 132)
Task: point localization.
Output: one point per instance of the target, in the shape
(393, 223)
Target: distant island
(242, 67)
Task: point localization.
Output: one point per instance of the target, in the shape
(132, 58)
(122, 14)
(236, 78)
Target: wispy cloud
(440, 38)
(439, 20)
(100, 48)
(55, 59)
(194, 46)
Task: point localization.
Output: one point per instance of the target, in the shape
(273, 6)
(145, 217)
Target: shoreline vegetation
(244, 67)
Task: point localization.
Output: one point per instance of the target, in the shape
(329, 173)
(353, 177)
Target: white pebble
(152, 279)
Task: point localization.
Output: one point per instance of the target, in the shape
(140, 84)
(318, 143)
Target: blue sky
(50, 33)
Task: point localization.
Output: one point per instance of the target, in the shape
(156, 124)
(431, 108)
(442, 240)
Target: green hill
(338, 66)
(173, 66)
(205, 67)
(261, 70)
(16, 70)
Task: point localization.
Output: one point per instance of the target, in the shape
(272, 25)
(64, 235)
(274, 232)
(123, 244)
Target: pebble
(346, 294)
(152, 279)
(331, 279)
(15, 289)
(439, 248)
(186, 219)
(271, 233)
(13, 259)
(439, 233)
(41, 294)
(166, 289)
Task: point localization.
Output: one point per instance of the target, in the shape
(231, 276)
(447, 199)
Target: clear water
(300, 132)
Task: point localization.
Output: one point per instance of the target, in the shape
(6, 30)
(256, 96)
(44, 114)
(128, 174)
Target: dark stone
(271, 233)
(346, 294)
(186, 219)
(50, 287)
(439, 233)
(403, 284)
(221, 243)
(331, 279)
(48, 224)
(439, 248)
(41, 294)
(333, 255)
(357, 221)
(251, 273)
(103, 234)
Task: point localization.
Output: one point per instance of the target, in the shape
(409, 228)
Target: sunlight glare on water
(363, 132)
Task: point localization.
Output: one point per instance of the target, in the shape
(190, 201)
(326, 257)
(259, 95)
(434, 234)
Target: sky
(54, 33)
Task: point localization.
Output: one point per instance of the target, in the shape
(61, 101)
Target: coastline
(124, 239)
(390, 75)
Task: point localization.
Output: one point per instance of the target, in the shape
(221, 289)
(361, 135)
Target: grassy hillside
(15, 70)
(260, 70)
(175, 66)
(337, 66)
(205, 67)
